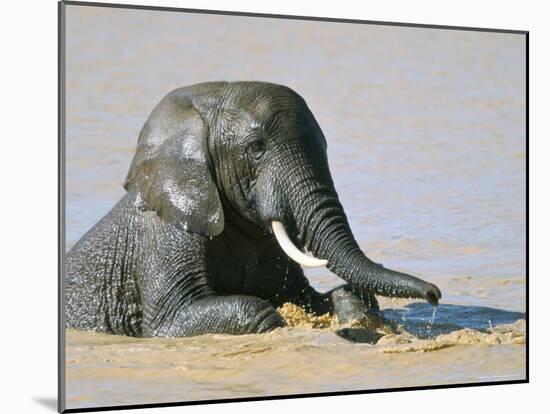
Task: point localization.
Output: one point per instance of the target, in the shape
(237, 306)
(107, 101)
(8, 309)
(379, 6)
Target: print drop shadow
(49, 402)
(419, 320)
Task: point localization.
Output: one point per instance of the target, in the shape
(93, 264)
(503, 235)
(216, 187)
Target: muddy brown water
(107, 370)
(426, 143)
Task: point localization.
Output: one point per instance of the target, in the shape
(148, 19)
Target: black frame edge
(527, 206)
(290, 17)
(291, 396)
(61, 37)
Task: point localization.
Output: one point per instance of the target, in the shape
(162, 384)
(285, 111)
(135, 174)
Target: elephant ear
(170, 171)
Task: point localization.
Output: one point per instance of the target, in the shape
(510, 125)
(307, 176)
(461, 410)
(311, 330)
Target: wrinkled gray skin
(189, 249)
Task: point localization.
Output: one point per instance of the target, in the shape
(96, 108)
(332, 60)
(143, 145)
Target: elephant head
(252, 153)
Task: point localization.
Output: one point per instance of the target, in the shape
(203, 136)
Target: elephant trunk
(323, 229)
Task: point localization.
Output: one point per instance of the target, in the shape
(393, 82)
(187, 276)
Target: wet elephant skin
(190, 250)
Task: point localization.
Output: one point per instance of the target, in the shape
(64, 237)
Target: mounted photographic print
(259, 206)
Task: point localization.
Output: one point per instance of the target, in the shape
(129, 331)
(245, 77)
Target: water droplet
(430, 324)
(433, 315)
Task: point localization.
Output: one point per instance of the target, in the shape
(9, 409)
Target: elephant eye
(257, 148)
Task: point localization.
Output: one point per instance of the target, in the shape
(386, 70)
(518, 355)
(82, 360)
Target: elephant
(228, 195)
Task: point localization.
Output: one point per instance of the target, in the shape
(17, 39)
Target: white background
(28, 191)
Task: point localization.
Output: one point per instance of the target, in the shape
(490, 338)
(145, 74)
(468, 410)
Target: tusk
(291, 250)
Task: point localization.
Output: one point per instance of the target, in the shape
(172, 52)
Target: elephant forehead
(261, 96)
(267, 114)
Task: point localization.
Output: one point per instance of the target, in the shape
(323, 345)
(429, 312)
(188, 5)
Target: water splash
(431, 322)
(433, 315)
